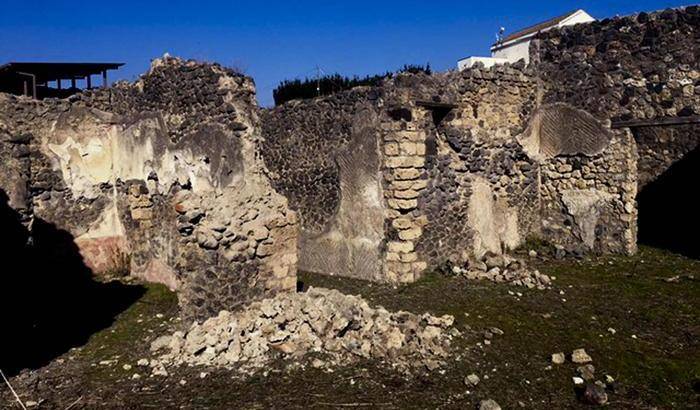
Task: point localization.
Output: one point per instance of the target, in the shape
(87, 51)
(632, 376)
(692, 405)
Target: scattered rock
(142, 362)
(342, 327)
(578, 382)
(503, 269)
(558, 358)
(472, 380)
(159, 371)
(489, 405)
(126, 367)
(595, 394)
(160, 343)
(579, 356)
(587, 372)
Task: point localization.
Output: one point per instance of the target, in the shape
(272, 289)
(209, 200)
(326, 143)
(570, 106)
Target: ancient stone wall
(645, 66)
(163, 178)
(323, 154)
(14, 173)
(641, 67)
(403, 159)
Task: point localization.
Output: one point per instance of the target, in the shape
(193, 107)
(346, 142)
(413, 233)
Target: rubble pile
(504, 269)
(337, 326)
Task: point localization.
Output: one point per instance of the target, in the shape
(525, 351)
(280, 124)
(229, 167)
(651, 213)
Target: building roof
(54, 71)
(537, 28)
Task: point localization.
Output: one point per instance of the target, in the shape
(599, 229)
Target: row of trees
(295, 89)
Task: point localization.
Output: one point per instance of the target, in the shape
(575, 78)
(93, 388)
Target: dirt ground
(639, 319)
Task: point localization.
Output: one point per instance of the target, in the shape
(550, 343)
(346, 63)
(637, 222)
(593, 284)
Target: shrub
(308, 88)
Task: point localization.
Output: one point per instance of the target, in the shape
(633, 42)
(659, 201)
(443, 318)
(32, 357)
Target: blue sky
(274, 40)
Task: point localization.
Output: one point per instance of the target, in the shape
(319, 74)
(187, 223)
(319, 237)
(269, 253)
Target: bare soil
(651, 301)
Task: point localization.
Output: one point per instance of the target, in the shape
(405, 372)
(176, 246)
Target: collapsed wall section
(163, 178)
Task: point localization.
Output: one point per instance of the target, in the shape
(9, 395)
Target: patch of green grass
(128, 338)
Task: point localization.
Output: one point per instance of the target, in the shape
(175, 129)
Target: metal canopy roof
(54, 71)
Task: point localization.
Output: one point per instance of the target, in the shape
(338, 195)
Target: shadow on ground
(49, 299)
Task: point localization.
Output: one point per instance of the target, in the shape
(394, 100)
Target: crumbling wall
(641, 67)
(402, 159)
(323, 154)
(163, 178)
(482, 193)
(14, 173)
(588, 180)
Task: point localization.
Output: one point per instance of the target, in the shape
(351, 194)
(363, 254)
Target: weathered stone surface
(585, 207)
(579, 356)
(161, 178)
(559, 129)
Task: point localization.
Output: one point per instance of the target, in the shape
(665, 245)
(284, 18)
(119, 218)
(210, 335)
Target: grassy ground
(653, 354)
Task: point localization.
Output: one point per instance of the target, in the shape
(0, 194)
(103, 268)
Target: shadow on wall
(668, 208)
(48, 300)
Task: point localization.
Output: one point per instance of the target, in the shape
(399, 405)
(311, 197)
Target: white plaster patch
(585, 205)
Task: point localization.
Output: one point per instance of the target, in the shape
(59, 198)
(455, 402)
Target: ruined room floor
(651, 301)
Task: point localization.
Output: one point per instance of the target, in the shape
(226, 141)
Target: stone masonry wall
(437, 136)
(641, 67)
(163, 178)
(323, 154)
(644, 66)
(14, 173)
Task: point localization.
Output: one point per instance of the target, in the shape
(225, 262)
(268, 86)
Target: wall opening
(668, 208)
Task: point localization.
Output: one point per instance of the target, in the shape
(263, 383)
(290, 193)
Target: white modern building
(516, 46)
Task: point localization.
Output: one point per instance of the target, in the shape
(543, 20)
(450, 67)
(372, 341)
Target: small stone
(595, 394)
(489, 405)
(159, 371)
(612, 331)
(135, 376)
(579, 356)
(126, 367)
(160, 343)
(202, 375)
(578, 381)
(587, 372)
(558, 358)
(142, 362)
(532, 254)
(31, 403)
(183, 382)
(472, 380)
(317, 363)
